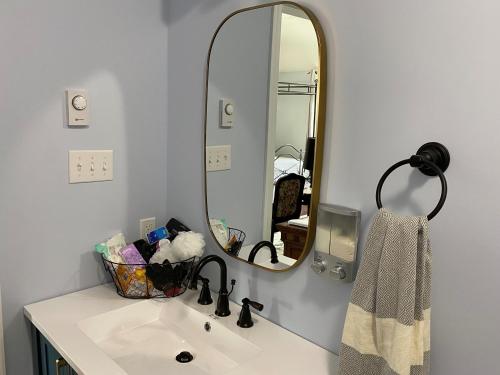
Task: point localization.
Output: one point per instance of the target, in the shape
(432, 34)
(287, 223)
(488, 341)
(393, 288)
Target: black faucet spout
(223, 300)
(260, 245)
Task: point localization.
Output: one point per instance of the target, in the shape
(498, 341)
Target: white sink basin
(98, 332)
(147, 336)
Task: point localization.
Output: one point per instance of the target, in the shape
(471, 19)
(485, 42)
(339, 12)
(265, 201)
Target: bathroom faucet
(260, 245)
(223, 300)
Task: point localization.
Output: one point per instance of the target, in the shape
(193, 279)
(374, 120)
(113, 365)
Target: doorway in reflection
(295, 131)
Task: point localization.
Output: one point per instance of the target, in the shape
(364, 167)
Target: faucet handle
(205, 297)
(193, 284)
(245, 319)
(256, 305)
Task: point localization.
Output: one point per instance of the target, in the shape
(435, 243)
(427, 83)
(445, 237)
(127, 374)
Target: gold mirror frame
(318, 157)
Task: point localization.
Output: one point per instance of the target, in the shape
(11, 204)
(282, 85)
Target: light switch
(218, 158)
(90, 166)
(226, 108)
(77, 103)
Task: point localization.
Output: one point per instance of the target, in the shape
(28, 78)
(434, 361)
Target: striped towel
(387, 326)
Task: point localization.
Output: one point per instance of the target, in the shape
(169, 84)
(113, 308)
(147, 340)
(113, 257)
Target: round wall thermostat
(229, 109)
(79, 102)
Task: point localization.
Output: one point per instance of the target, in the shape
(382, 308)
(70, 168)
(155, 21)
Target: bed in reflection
(287, 159)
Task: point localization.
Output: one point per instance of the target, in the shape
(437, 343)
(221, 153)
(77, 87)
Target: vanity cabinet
(50, 362)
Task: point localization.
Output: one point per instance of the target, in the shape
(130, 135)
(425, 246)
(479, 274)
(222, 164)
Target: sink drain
(184, 357)
(207, 326)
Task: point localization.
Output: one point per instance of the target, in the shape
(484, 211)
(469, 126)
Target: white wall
(400, 73)
(240, 71)
(117, 50)
(292, 115)
(298, 56)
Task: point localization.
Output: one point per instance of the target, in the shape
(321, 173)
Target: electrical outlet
(146, 226)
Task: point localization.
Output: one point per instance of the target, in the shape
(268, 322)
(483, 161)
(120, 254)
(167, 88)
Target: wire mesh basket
(235, 239)
(142, 281)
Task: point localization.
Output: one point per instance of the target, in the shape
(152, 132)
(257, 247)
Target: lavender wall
(400, 74)
(117, 50)
(240, 71)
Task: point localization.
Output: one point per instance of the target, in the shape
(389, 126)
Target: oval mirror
(264, 125)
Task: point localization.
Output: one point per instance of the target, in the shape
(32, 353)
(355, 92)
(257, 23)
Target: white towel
(387, 327)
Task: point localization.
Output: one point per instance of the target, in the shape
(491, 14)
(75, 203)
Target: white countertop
(282, 351)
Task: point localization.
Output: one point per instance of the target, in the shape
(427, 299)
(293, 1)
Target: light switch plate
(218, 158)
(77, 103)
(90, 166)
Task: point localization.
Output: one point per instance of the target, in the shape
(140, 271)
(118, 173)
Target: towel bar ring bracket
(432, 159)
(436, 153)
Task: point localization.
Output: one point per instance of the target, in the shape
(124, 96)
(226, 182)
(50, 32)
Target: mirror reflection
(261, 132)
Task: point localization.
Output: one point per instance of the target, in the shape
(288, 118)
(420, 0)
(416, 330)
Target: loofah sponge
(185, 246)
(163, 253)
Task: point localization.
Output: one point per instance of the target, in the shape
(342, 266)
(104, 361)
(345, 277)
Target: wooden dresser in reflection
(294, 238)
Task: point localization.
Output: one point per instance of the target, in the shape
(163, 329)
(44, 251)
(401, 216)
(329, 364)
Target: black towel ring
(432, 159)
